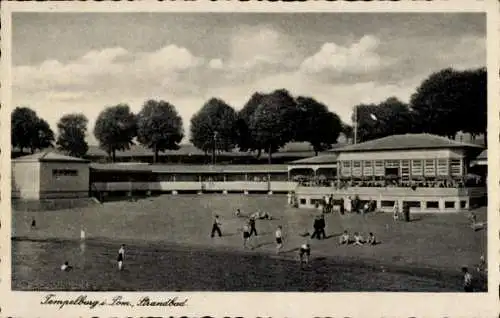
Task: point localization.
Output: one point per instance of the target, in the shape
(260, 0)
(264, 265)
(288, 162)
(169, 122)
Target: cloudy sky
(73, 62)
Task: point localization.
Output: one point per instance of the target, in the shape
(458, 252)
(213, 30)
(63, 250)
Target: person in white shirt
(65, 267)
(304, 253)
(358, 239)
(467, 280)
(121, 257)
(348, 204)
(279, 239)
(395, 211)
(344, 239)
(246, 234)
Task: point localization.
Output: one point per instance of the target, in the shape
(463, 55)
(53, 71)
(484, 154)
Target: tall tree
(72, 129)
(44, 136)
(115, 129)
(159, 127)
(246, 141)
(449, 101)
(390, 117)
(213, 127)
(316, 124)
(29, 131)
(274, 121)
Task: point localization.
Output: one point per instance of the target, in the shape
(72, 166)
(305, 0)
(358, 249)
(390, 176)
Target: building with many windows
(425, 171)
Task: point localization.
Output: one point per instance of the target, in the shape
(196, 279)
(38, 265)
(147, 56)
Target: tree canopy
(246, 142)
(316, 124)
(449, 101)
(72, 129)
(274, 121)
(389, 117)
(213, 127)
(159, 127)
(29, 131)
(115, 129)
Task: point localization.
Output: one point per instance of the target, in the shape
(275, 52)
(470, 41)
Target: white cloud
(357, 58)
(110, 65)
(251, 46)
(216, 64)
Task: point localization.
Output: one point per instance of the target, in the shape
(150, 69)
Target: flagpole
(355, 125)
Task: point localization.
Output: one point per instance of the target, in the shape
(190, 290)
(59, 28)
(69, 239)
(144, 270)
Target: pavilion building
(429, 173)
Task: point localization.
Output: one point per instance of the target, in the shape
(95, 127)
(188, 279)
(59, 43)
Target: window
(356, 168)
(405, 169)
(412, 204)
(64, 172)
(463, 204)
(456, 167)
(346, 168)
(430, 167)
(432, 205)
(449, 204)
(392, 163)
(442, 167)
(386, 204)
(367, 168)
(379, 168)
(302, 201)
(416, 167)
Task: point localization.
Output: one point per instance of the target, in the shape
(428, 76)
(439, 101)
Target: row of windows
(428, 167)
(64, 172)
(411, 204)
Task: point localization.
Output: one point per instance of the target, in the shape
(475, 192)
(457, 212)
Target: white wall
(64, 186)
(25, 180)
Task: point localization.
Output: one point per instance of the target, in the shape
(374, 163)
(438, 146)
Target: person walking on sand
(216, 227)
(304, 254)
(279, 239)
(121, 257)
(251, 222)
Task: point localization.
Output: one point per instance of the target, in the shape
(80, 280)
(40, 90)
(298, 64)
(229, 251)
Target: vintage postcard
(250, 159)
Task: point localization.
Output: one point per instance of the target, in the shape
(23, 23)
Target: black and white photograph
(311, 152)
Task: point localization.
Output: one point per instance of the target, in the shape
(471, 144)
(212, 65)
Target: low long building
(427, 172)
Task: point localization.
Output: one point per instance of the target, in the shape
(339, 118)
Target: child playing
(344, 239)
(279, 239)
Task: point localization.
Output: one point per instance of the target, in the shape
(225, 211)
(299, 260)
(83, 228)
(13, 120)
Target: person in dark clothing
(33, 224)
(253, 230)
(317, 228)
(406, 212)
(216, 227)
(322, 226)
(342, 207)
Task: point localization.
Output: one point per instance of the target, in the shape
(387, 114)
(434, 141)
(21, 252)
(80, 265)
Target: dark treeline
(445, 103)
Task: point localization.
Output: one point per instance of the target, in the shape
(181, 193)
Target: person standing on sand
(33, 224)
(467, 280)
(251, 222)
(304, 254)
(246, 235)
(216, 227)
(279, 239)
(121, 257)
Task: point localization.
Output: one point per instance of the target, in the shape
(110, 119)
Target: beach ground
(424, 254)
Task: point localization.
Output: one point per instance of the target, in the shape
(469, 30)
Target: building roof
(185, 168)
(291, 149)
(406, 142)
(328, 158)
(49, 156)
(483, 155)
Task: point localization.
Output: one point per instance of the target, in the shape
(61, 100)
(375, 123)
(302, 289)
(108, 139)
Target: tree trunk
(155, 157)
(269, 155)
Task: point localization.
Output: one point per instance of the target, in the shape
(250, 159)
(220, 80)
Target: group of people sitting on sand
(357, 239)
(256, 215)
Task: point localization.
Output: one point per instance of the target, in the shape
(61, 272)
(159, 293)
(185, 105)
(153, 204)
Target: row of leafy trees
(446, 102)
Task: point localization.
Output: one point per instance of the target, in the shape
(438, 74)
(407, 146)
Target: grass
(425, 254)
